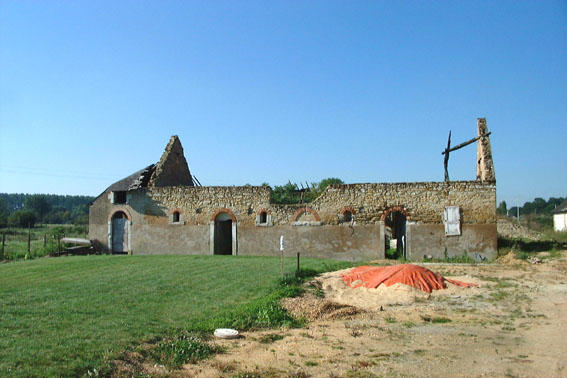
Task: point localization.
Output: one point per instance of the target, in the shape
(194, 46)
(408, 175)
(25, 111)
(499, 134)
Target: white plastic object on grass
(226, 333)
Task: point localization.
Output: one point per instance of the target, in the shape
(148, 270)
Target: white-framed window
(452, 220)
(264, 219)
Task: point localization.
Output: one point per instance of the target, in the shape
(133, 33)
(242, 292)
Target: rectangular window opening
(120, 197)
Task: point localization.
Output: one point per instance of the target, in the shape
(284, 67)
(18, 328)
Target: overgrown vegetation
(65, 316)
(292, 194)
(185, 348)
(526, 248)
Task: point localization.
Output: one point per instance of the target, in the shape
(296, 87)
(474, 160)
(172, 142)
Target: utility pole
(518, 208)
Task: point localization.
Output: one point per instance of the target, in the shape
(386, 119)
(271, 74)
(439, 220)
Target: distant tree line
(538, 206)
(23, 210)
(536, 214)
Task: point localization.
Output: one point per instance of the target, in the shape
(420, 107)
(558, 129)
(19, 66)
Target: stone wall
(172, 168)
(484, 161)
(315, 229)
(424, 202)
(199, 204)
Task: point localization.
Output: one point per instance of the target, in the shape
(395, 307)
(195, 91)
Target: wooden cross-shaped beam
(449, 149)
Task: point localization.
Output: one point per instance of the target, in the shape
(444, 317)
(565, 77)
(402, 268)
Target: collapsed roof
(171, 170)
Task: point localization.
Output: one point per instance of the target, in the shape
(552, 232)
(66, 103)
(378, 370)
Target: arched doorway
(223, 234)
(396, 237)
(119, 232)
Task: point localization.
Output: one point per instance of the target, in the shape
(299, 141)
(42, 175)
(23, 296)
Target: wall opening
(175, 217)
(119, 232)
(119, 197)
(223, 234)
(396, 237)
(347, 216)
(263, 217)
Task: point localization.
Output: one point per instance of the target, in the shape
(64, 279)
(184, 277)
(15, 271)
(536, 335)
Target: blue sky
(272, 91)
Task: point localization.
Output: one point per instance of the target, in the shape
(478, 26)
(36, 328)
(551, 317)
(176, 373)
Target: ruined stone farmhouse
(160, 210)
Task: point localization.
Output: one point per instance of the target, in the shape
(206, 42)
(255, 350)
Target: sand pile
(312, 308)
(511, 259)
(408, 274)
(336, 290)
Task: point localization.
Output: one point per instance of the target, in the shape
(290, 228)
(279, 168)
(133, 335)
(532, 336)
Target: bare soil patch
(514, 324)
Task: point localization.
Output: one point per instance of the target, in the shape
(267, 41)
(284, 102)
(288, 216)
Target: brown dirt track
(513, 325)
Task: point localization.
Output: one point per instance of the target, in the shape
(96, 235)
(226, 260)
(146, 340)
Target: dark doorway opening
(223, 235)
(263, 217)
(396, 235)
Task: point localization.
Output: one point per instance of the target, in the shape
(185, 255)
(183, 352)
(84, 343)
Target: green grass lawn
(61, 316)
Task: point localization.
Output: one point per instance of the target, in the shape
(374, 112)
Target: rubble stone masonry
(424, 202)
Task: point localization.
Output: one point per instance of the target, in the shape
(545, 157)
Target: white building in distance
(560, 217)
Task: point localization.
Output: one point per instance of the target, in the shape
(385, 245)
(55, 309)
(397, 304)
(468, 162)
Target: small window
(263, 218)
(120, 197)
(175, 217)
(347, 215)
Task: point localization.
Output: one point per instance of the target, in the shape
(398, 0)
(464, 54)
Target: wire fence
(21, 243)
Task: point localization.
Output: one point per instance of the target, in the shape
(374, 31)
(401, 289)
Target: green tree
(328, 181)
(4, 213)
(290, 194)
(502, 209)
(39, 204)
(318, 188)
(22, 218)
(286, 193)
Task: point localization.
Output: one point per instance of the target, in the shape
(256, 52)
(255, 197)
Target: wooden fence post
(3, 242)
(29, 237)
(298, 263)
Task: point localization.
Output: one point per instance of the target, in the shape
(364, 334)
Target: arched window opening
(347, 216)
(263, 217)
(175, 218)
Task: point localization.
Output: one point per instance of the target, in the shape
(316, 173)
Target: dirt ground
(514, 324)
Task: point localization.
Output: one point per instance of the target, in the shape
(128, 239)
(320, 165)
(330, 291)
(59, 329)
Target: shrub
(183, 349)
(81, 220)
(391, 253)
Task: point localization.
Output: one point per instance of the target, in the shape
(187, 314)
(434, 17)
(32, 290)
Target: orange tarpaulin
(407, 274)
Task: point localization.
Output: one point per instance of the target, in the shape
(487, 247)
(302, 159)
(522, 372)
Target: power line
(55, 173)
